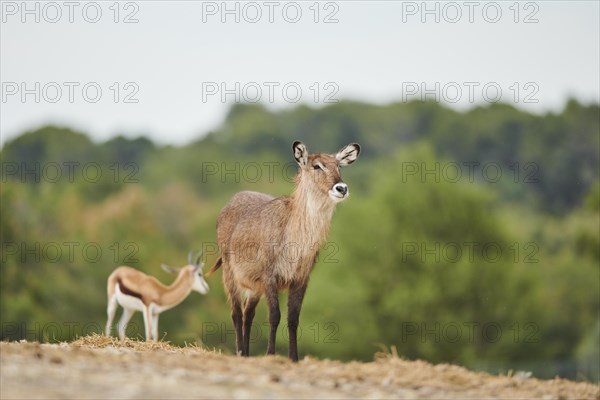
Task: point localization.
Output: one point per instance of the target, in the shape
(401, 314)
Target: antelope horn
(198, 258)
(169, 269)
(190, 255)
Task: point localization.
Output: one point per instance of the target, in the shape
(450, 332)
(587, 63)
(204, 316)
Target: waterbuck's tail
(215, 267)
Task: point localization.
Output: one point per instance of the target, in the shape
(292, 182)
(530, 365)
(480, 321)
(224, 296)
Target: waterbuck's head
(320, 173)
(194, 269)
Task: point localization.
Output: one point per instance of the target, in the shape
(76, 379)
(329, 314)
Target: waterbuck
(135, 291)
(270, 244)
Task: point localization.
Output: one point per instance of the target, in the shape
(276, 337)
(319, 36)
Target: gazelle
(135, 291)
(271, 244)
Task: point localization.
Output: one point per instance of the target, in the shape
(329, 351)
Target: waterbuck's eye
(317, 166)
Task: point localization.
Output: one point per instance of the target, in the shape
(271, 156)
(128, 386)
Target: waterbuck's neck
(310, 215)
(178, 290)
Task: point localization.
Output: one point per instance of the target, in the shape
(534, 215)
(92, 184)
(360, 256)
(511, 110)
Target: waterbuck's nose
(341, 188)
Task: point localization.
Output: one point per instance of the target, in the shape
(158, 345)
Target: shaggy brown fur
(270, 244)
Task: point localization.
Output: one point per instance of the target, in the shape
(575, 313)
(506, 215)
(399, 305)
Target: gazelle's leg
(127, 314)
(110, 311)
(148, 323)
(155, 326)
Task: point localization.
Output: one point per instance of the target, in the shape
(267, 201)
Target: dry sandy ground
(99, 367)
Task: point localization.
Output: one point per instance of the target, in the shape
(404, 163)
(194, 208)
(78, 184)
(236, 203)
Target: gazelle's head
(320, 173)
(194, 271)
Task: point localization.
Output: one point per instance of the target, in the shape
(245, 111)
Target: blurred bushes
(492, 272)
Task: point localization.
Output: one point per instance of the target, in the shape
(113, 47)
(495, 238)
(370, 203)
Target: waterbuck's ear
(300, 153)
(169, 269)
(348, 154)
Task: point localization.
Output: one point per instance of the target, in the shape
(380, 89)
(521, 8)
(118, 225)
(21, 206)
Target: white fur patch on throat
(336, 198)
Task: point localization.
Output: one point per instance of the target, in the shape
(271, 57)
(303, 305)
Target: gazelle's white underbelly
(134, 303)
(156, 309)
(127, 301)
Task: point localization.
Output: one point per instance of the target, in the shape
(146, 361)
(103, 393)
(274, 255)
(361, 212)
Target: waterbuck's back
(251, 231)
(238, 215)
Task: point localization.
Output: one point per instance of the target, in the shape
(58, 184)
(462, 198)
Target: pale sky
(177, 59)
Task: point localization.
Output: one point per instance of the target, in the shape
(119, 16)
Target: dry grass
(96, 341)
(103, 367)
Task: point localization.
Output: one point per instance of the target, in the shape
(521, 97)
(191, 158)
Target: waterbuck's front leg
(274, 315)
(295, 297)
(249, 311)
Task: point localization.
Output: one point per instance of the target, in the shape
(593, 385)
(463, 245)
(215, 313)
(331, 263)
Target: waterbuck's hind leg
(274, 316)
(236, 306)
(249, 311)
(237, 317)
(295, 298)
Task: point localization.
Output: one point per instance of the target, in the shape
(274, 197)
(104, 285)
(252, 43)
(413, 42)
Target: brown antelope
(270, 244)
(135, 291)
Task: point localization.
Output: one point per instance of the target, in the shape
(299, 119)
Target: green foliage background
(495, 272)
